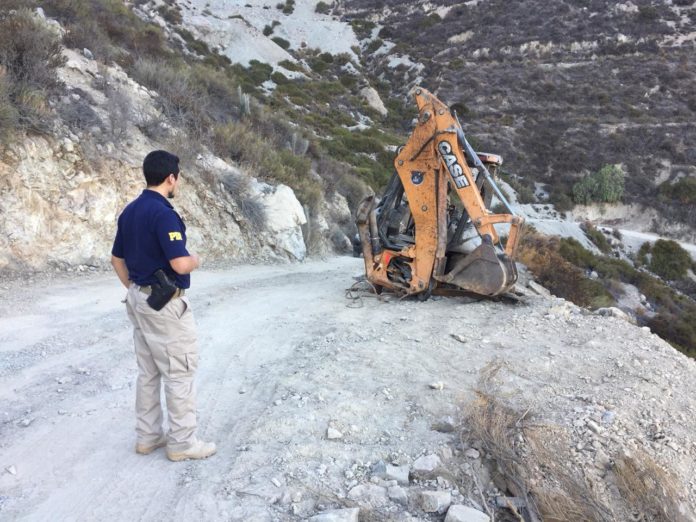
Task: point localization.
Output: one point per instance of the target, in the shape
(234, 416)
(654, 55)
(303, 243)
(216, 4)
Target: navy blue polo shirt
(150, 233)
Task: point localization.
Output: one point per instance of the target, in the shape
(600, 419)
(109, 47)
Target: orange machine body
(407, 237)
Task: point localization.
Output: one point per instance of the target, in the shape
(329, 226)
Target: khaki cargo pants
(166, 350)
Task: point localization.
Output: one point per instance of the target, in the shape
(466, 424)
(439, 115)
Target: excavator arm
(417, 239)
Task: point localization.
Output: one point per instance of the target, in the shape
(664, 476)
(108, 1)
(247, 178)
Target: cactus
(244, 103)
(298, 145)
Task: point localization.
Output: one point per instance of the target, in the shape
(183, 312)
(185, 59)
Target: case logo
(455, 169)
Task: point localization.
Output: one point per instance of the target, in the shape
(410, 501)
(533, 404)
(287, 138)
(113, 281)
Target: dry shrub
(649, 489)
(235, 184)
(564, 494)
(30, 53)
(181, 143)
(252, 209)
(497, 426)
(79, 115)
(562, 278)
(181, 99)
(119, 112)
(534, 460)
(9, 116)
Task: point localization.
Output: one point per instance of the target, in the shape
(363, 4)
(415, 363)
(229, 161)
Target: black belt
(148, 290)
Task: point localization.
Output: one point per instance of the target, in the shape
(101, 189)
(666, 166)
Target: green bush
(259, 72)
(430, 20)
(279, 78)
(561, 201)
(322, 8)
(281, 42)
(597, 238)
(561, 277)
(679, 330)
(673, 321)
(171, 14)
(362, 28)
(683, 191)
(30, 53)
(374, 45)
(642, 257)
(604, 186)
(669, 260)
(106, 27)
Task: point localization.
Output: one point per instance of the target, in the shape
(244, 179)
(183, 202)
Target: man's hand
(121, 270)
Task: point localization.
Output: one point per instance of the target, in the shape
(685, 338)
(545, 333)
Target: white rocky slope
(319, 403)
(235, 29)
(61, 195)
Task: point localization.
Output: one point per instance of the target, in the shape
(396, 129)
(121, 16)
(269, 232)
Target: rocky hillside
(77, 123)
(315, 96)
(558, 89)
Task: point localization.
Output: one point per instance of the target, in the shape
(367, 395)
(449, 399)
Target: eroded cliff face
(59, 210)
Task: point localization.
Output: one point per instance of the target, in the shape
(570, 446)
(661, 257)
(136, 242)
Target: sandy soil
(284, 357)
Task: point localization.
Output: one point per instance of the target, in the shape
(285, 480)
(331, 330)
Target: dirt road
(285, 356)
(67, 370)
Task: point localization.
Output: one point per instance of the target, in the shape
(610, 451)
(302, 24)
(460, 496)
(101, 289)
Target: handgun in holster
(162, 291)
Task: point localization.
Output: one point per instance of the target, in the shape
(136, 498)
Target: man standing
(151, 237)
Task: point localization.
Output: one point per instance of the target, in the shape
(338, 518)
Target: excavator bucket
(484, 271)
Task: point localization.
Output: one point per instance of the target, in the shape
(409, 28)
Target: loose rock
(369, 494)
(398, 473)
(337, 515)
(426, 466)
(435, 501)
(333, 433)
(398, 494)
(459, 513)
(472, 453)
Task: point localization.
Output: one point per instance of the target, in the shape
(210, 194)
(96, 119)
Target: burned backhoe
(419, 239)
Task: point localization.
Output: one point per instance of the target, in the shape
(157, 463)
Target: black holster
(162, 291)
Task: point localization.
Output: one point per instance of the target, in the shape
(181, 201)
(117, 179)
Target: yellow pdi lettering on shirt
(175, 236)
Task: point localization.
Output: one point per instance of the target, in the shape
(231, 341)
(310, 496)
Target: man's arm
(121, 270)
(185, 264)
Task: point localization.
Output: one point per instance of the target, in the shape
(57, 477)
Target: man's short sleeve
(171, 234)
(117, 250)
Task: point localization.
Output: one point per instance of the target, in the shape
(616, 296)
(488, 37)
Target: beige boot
(146, 449)
(199, 450)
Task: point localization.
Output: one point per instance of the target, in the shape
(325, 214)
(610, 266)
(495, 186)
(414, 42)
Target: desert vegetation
(210, 102)
(560, 95)
(563, 266)
(30, 53)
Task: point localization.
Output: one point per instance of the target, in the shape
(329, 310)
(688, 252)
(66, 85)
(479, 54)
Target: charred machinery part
(417, 240)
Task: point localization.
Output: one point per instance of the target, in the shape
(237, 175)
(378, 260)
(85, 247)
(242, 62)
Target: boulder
(284, 219)
(373, 100)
